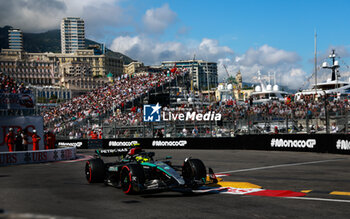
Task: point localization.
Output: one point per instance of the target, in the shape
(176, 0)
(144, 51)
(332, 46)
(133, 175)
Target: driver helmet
(135, 149)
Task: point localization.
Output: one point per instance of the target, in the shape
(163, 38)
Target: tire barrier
(42, 156)
(323, 143)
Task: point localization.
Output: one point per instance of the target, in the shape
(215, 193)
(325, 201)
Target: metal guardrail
(332, 122)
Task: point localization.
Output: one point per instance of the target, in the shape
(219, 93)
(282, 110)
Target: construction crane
(232, 81)
(228, 75)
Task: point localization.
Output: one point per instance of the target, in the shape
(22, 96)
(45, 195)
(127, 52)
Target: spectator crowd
(9, 85)
(108, 100)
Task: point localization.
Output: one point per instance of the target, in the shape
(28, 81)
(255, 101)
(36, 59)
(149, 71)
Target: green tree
(231, 80)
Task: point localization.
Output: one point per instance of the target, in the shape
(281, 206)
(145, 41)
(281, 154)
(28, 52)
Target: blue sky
(250, 35)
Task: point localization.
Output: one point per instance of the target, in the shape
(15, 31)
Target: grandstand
(110, 102)
(116, 110)
(9, 85)
(16, 99)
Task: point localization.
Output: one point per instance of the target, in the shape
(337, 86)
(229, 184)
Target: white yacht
(266, 93)
(333, 86)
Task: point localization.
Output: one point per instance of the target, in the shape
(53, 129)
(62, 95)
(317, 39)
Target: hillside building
(80, 72)
(203, 74)
(15, 39)
(72, 34)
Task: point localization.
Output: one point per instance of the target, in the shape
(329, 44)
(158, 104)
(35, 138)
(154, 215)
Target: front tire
(132, 178)
(194, 172)
(95, 170)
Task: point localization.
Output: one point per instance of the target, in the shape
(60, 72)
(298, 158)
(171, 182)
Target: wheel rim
(125, 179)
(88, 171)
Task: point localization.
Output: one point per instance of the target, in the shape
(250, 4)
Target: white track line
(319, 199)
(282, 165)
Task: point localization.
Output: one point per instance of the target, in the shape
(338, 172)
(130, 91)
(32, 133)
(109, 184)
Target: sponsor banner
(121, 143)
(332, 143)
(343, 145)
(152, 113)
(162, 143)
(114, 147)
(240, 191)
(42, 156)
(76, 144)
(114, 152)
(310, 143)
(95, 143)
(226, 190)
(17, 101)
(24, 122)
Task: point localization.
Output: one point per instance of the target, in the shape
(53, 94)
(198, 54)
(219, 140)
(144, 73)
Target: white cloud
(266, 59)
(210, 48)
(43, 15)
(108, 15)
(268, 56)
(151, 51)
(148, 50)
(156, 20)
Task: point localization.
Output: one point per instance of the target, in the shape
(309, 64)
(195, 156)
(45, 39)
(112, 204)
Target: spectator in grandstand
(312, 129)
(334, 128)
(100, 134)
(24, 135)
(26, 90)
(93, 135)
(36, 139)
(46, 142)
(10, 140)
(213, 133)
(18, 140)
(184, 132)
(159, 133)
(50, 140)
(207, 132)
(301, 127)
(195, 131)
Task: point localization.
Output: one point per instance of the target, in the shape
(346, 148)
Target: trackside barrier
(42, 156)
(323, 143)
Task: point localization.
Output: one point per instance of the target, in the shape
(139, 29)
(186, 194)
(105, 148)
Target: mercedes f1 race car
(136, 171)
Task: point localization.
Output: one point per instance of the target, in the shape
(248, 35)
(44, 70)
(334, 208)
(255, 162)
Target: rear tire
(95, 170)
(132, 178)
(194, 171)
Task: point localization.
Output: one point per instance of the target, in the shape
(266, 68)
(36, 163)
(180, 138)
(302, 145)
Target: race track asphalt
(60, 190)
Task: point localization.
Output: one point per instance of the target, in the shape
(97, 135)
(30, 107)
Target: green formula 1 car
(136, 171)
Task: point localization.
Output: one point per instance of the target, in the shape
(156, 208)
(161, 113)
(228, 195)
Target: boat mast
(315, 70)
(333, 64)
(207, 71)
